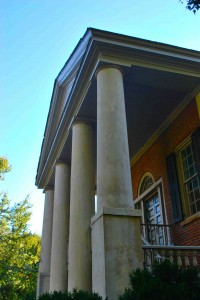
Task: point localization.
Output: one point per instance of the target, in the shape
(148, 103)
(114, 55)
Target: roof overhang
(159, 80)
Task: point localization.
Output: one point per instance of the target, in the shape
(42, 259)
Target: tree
(192, 5)
(19, 250)
(5, 167)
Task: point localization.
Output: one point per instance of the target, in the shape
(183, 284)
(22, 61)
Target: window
(151, 204)
(146, 183)
(183, 168)
(190, 185)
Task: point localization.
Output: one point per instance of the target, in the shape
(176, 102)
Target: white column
(81, 207)
(116, 237)
(114, 188)
(45, 256)
(60, 234)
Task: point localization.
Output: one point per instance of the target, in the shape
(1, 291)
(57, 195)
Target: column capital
(109, 67)
(79, 120)
(61, 162)
(48, 188)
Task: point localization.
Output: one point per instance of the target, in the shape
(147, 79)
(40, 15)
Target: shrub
(166, 281)
(74, 295)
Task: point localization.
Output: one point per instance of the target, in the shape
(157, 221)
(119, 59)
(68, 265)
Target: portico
(104, 109)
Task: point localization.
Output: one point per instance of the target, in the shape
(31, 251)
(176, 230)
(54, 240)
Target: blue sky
(37, 37)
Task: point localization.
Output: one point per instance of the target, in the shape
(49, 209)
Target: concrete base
(42, 284)
(116, 249)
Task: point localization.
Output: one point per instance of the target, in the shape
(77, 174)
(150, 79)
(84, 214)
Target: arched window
(150, 202)
(145, 184)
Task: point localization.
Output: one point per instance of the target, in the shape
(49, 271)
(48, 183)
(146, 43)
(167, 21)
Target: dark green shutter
(196, 148)
(174, 188)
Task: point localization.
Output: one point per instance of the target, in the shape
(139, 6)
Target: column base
(43, 284)
(116, 249)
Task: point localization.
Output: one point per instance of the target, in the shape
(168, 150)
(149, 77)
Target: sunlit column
(45, 256)
(81, 207)
(60, 234)
(114, 188)
(116, 237)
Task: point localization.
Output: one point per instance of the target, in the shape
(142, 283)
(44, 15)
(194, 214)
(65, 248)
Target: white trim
(159, 199)
(150, 47)
(147, 174)
(142, 206)
(129, 62)
(153, 186)
(183, 144)
(164, 205)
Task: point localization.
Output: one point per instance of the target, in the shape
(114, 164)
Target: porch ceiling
(150, 98)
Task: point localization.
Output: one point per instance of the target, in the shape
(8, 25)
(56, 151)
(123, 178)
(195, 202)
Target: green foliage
(192, 5)
(167, 281)
(19, 251)
(74, 295)
(5, 167)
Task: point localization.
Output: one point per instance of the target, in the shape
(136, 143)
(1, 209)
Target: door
(154, 218)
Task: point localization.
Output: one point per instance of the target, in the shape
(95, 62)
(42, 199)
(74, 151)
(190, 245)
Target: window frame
(156, 188)
(185, 201)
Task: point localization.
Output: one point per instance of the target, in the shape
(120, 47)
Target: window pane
(183, 154)
(158, 209)
(156, 199)
(191, 197)
(193, 208)
(158, 219)
(138, 205)
(198, 205)
(191, 180)
(191, 171)
(186, 174)
(190, 187)
(197, 194)
(185, 164)
(195, 182)
(146, 183)
(190, 160)
(188, 150)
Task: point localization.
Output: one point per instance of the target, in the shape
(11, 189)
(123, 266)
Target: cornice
(77, 94)
(69, 70)
(74, 57)
(161, 61)
(143, 44)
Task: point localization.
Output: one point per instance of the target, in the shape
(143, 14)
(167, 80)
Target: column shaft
(81, 207)
(116, 237)
(60, 234)
(114, 188)
(45, 260)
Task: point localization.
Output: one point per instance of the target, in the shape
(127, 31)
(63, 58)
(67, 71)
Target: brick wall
(154, 161)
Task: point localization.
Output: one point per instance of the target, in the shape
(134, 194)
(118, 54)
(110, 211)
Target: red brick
(154, 161)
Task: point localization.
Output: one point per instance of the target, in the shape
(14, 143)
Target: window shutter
(196, 148)
(174, 188)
